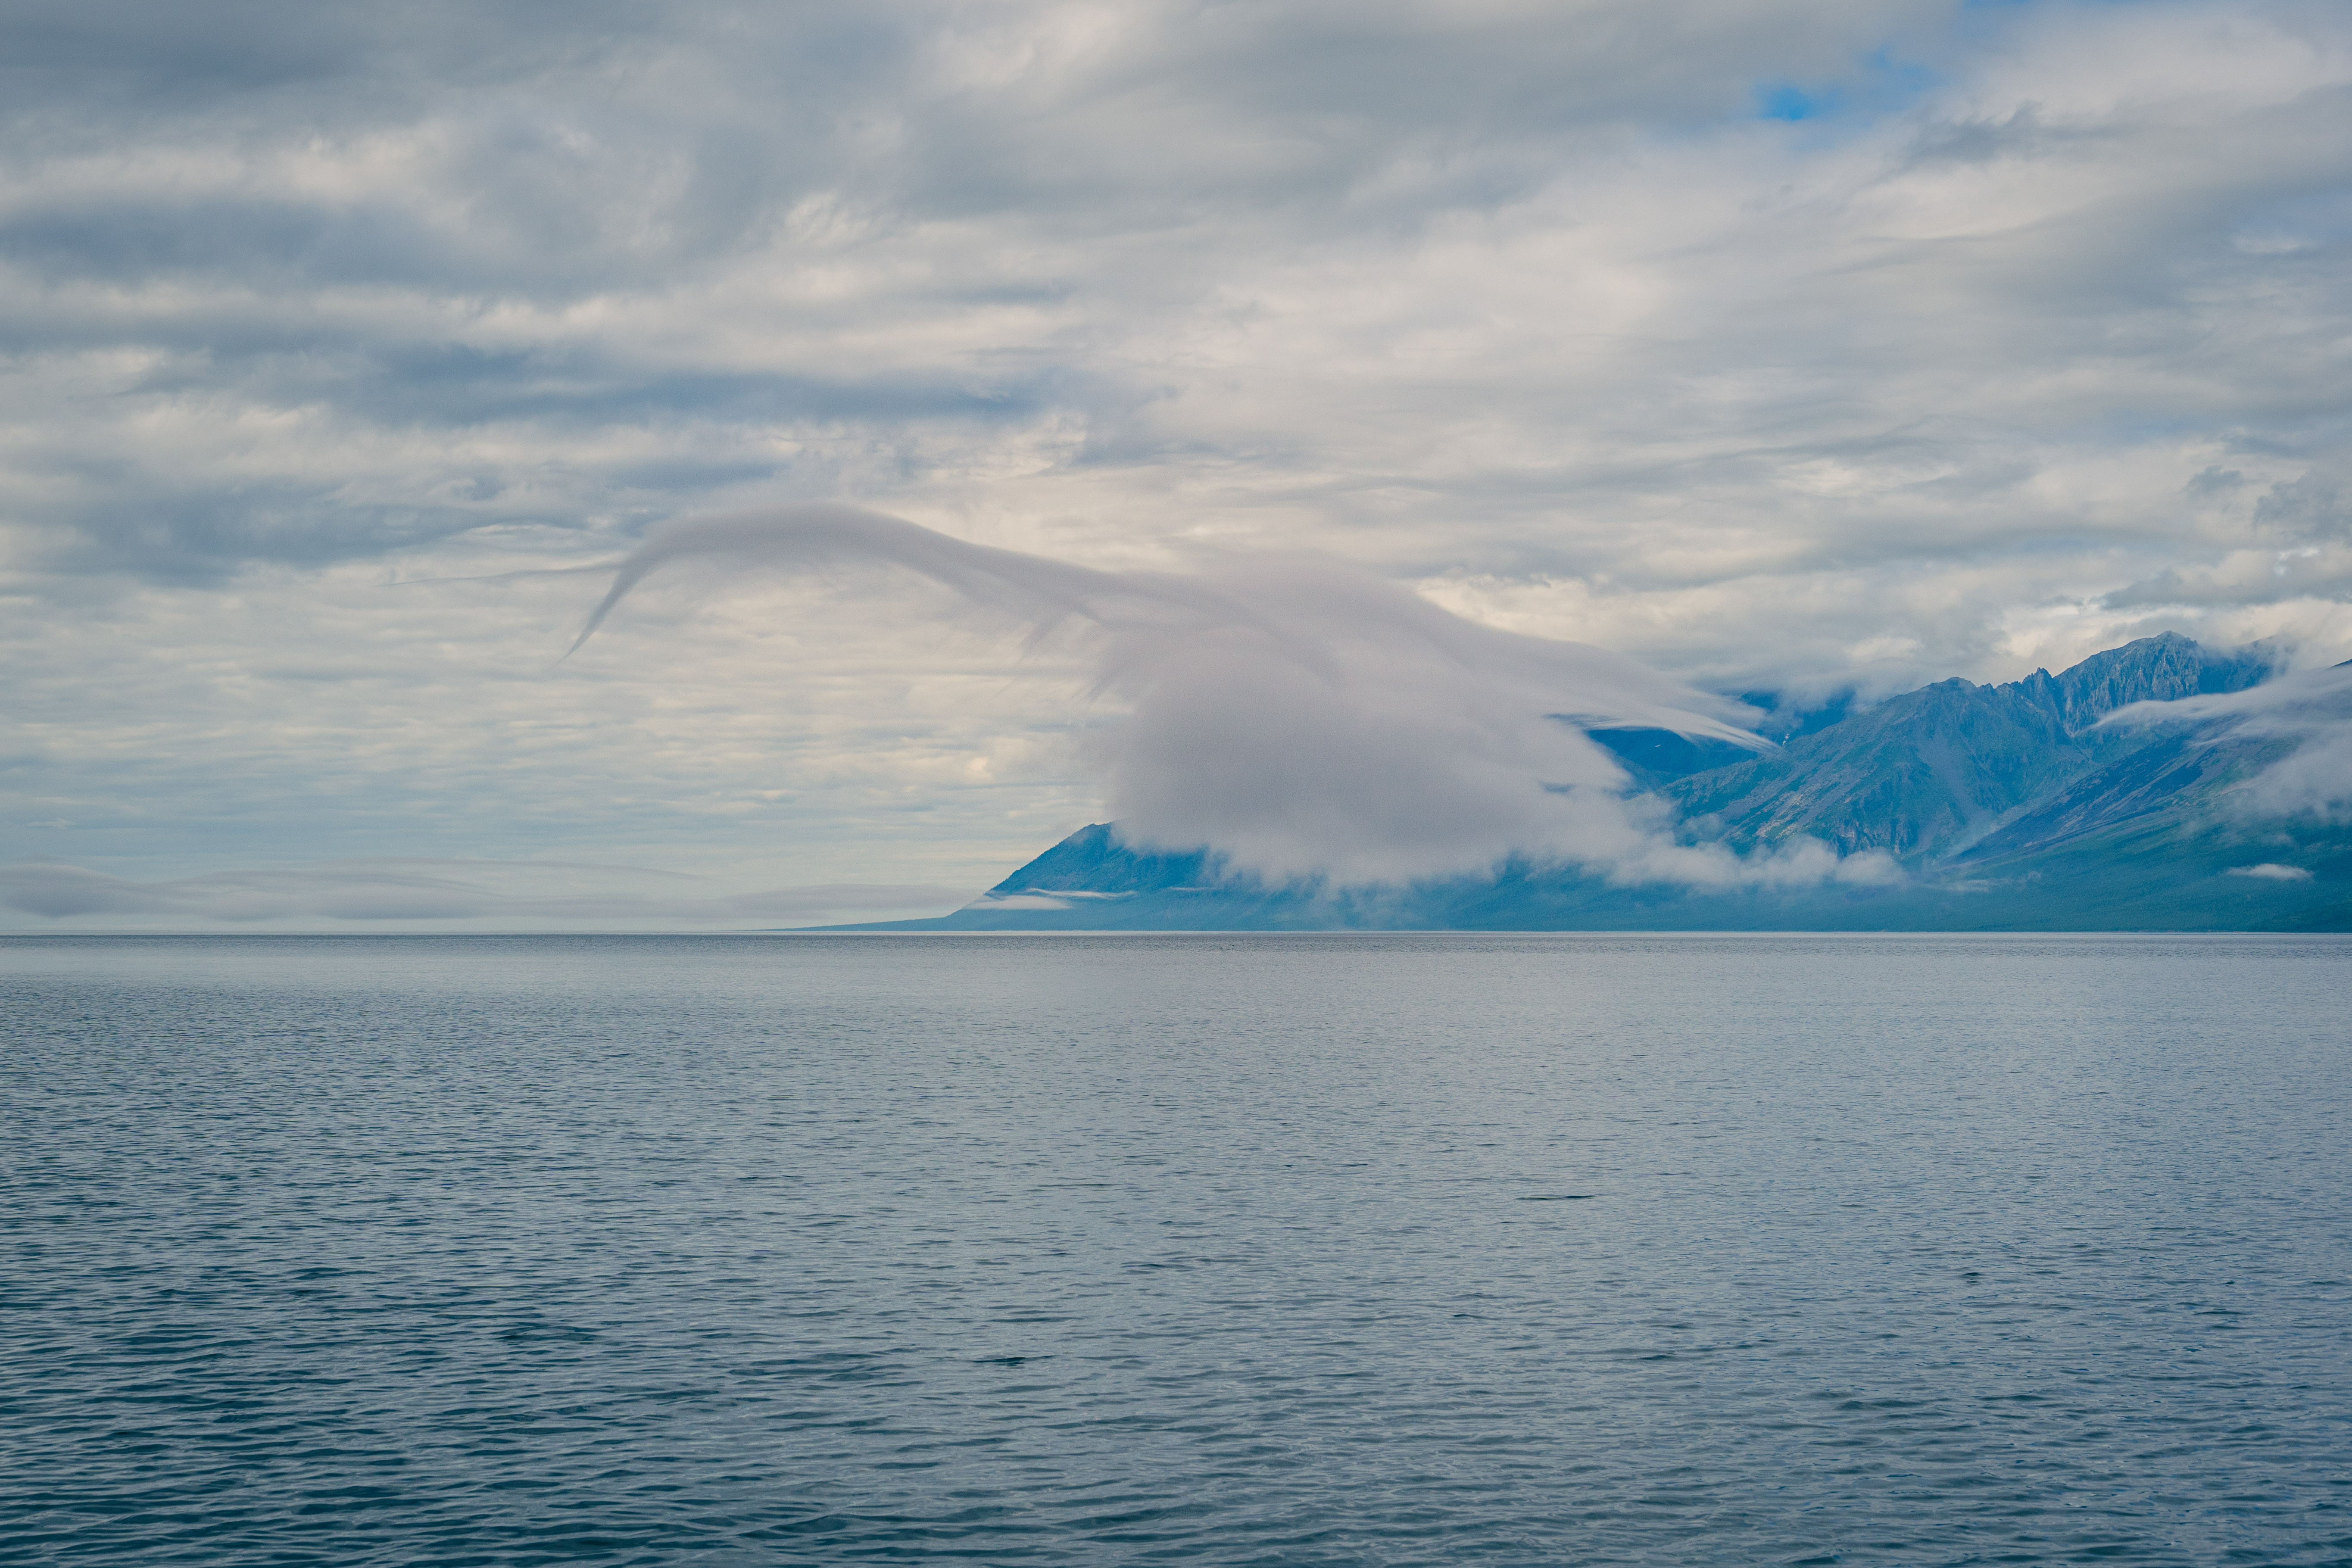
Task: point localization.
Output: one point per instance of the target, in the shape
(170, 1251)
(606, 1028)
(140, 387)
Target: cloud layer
(1775, 342)
(397, 893)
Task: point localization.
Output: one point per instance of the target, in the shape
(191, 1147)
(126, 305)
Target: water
(1282, 1250)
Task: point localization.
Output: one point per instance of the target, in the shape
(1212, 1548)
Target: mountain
(2007, 807)
(1925, 775)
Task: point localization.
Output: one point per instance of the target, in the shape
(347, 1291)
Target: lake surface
(1274, 1251)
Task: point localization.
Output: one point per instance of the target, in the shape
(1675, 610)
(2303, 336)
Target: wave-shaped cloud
(1298, 717)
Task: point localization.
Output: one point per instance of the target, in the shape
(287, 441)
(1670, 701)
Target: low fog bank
(441, 894)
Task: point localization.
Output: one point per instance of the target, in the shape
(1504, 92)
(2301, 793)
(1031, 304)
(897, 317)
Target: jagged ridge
(1932, 773)
(2009, 806)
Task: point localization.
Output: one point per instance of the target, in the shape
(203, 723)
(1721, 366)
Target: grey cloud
(138, 59)
(169, 532)
(1300, 718)
(2019, 134)
(116, 510)
(1524, 303)
(272, 160)
(1193, 105)
(2305, 510)
(2268, 580)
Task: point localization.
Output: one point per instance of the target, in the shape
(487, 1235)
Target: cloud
(1534, 308)
(2299, 546)
(422, 892)
(2246, 577)
(1302, 718)
(1414, 265)
(2272, 871)
(2310, 710)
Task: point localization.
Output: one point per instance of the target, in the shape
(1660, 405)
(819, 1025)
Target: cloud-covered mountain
(1801, 346)
(1932, 774)
(2151, 786)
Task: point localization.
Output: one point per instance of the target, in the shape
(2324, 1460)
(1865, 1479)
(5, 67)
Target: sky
(1776, 346)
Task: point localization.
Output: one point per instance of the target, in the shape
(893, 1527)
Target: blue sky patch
(1787, 102)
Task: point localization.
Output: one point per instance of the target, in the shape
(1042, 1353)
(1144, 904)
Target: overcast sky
(1778, 344)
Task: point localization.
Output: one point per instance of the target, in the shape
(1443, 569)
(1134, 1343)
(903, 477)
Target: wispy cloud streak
(2311, 710)
(1298, 717)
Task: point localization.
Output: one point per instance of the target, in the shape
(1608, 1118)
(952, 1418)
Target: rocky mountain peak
(2161, 669)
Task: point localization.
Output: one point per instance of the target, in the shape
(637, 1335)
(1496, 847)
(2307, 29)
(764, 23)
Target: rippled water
(1296, 1250)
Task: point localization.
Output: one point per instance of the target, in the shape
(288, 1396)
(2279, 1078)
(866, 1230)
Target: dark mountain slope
(1917, 776)
(2176, 773)
(1925, 776)
(1092, 859)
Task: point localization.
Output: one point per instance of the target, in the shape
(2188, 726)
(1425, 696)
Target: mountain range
(2005, 808)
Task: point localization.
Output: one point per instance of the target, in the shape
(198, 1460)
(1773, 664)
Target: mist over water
(1309, 1250)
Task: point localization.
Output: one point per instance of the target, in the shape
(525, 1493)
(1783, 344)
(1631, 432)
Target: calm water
(1295, 1250)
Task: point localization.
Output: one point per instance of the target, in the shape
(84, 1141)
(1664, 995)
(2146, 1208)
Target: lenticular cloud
(1298, 717)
